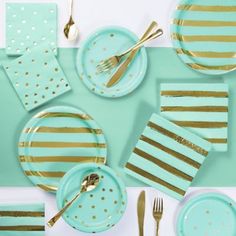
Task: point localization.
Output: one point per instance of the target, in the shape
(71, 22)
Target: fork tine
(162, 205)
(154, 205)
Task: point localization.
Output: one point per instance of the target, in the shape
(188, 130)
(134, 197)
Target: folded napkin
(29, 24)
(22, 220)
(167, 157)
(201, 108)
(37, 77)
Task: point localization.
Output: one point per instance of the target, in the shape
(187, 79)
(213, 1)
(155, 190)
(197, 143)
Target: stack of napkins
(21, 220)
(37, 77)
(29, 25)
(167, 157)
(201, 108)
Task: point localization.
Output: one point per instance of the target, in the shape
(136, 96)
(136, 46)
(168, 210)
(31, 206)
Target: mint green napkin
(22, 219)
(37, 77)
(167, 157)
(30, 24)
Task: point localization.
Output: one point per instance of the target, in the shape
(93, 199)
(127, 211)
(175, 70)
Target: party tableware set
(63, 150)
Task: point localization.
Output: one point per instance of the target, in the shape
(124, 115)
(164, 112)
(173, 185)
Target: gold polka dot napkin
(28, 25)
(37, 77)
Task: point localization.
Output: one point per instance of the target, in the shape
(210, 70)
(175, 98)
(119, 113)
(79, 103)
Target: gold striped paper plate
(57, 139)
(204, 35)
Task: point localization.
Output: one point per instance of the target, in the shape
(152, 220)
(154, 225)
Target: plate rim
(177, 13)
(92, 165)
(43, 186)
(80, 53)
(197, 198)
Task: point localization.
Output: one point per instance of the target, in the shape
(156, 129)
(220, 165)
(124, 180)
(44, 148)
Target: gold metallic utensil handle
(55, 218)
(154, 35)
(121, 70)
(157, 229)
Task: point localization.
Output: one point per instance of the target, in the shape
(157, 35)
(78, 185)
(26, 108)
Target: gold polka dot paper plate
(97, 210)
(57, 139)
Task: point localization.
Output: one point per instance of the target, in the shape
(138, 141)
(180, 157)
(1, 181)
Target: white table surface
(90, 15)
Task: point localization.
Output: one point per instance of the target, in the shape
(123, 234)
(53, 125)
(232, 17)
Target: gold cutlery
(88, 184)
(70, 30)
(108, 64)
(157, 212)
(124, 66)
(141, 212)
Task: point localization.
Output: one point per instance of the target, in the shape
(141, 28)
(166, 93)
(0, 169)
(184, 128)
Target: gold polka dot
(26, 95)
(26, 84)
(102, 177)
(6, 67)
(115, 202)
(62, 80)
(103, 198)
(35, 102)
(91, 195)
(51, 79)
(111, 190)
(16, 72)
(53, 92)
(94, 217)
(89, 76)
(26, 73)
(76, 217)
(19, 62)
(46, 88)
(58, 85)
(111, 35)
(37, 85)
(56, 69)
(66, 85)
(38, 75)
(45, 63)
(105, 210)
(43, 96)
(46, 51)
(80, 206)
(123, 203)
(93, 206)
(33, 60)
(26, 103)
(103, 189)
(35, 94)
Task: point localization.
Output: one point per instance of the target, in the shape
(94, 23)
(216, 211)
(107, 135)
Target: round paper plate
(97, 210)
(101, 45)
(204, 35)
(57, 139)
(209, 214)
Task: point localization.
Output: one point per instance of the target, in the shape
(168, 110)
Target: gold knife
(141, 212)
(121, 70)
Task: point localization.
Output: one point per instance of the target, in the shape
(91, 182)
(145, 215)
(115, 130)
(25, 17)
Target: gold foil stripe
(154, 178)
(201, 124)
(79, 159)
(206, 54)
(206, 67)
(21, 214)
(62, 145)
(186, 7)
(177, 155)
(163, 165)
(48, 188)
(204, 38)
(217, 140)
(196, 109)
(199, 23)
(22, 228)
(178, 138)
(62, 130)
(63, 114)
(56, 174)
(182, 93)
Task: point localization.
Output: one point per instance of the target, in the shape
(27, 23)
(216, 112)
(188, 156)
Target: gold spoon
(70, 30)
(88, 184)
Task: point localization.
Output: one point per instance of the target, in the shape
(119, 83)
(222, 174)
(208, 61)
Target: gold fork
(108, 64)
(157, 212)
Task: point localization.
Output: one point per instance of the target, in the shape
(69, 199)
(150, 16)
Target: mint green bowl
(95, 211)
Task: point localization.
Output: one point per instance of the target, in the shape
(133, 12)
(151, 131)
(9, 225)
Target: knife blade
(121, 70)
(141, 212)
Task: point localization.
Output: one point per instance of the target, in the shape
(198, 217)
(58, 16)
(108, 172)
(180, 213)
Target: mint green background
(122, 119)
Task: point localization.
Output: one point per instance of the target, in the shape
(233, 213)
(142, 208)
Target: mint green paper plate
(204, 35)
(57, 139)
(210, 214)
(101, 45)
(97, 210)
